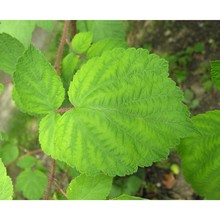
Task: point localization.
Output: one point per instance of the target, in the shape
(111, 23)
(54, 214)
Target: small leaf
(32, 184)
(102, 29)
(215, 72)
(81, 42)
(26, 162)
(200, 155)
(38, 86)
(89, 188)
(6, 187)
(9, 152)
(127, 113)
(102, 46)
(1, 87)
(127, 197)
(10, 50)
(46, 134)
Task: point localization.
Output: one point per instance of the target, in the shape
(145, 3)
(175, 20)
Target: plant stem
(62, 110)
(60, 189)
(61, 46)
(50, 179)
(73, 28)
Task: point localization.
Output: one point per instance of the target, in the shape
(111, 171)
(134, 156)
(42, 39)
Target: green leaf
(21, 30)
(46, 136)
(215, 72)
(9, 152)
(69, 64)
(89, 188)
(10, 50)
(46, 24)
(32, 184)
(132, 185)
(127, 197)
(17, 100)
(81, 42)
(200, 155)
(102, 29)
(102, 46)
(6, 187)
(128, 113)
(1, 87)
(39, 87)
(26, 162)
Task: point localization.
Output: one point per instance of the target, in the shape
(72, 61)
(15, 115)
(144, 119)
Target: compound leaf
(10, 50)
(128, 113)
(215, 72)
(32, 184)
(102, 29)
(6, 187)
(200, 155)
(102, 46)
(127, 197)
(81, 42)
(46, 136)
(89, 188)
(38, 87)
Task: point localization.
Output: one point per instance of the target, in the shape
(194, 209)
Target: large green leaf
(102, 46)
(81, 42)
(215, 72)
(10, 50)
(200, 155)
(32, 184)
(102, 29)
(21, 30)
(89, 188)
(46, 137)
(128, 113)
(37, 85)
(6, 187)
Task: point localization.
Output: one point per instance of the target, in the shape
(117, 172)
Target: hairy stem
(61, 47)
(50, 179)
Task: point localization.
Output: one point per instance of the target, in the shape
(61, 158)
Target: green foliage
(190, 100)
(119, 98)
(45, 24)
(39, 88)
(10, 50)
(127, 197)
(102, 29)
(89, 188)
(1, 88)
(46, 137)
(215, 72)
(81, 42)
(200, 155)
(8, 152)
(32, 184)
(104, 45)
(6, 187)
(26, 162)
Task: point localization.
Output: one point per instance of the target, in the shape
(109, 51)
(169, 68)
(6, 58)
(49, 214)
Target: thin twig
(60, 189)
(50, 179)
(61, 47)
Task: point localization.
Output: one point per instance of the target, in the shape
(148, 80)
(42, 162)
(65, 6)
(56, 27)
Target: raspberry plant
(105, 109)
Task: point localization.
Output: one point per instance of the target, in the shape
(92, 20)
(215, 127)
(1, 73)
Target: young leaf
(21, 30)
(127, 197)
(9, 152)
(6, 187)
(81, 42)
(26, 162)
(46, 134)
(89, 188)
(32, 184)
(215, 72)
(128, 113)
(102, 29)
(102, 46)
(1, 88)
(200, 155)
(37, 85)
(10, 50)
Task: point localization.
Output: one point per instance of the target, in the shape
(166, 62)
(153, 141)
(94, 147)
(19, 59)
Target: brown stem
(6, 82)
(73, 28)
(61, 47)
(60, 189)
(50, 179)
(62, 110)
